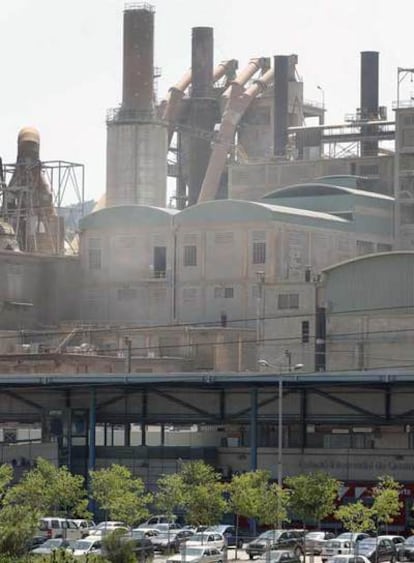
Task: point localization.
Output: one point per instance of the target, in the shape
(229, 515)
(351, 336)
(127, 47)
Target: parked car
(85, 526)
(157, 519)
(53, 527)
(85, 546)
(210, 539)
(290, 540)
(110, 524)
(350, 558)
(143, 547)
(229, 533)
(280, 556)
(201, 554)
(405, 551)
(314, 541)
(50, 545)
(396, 540)
(344, 544)
(377, 549)
(170, 540)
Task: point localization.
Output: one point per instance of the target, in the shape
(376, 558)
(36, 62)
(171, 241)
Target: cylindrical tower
(280, 105)
(138, 58)
(203, 108)
(369, 100)
(136, 167)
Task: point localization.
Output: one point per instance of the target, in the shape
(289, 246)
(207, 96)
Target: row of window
(160, 256)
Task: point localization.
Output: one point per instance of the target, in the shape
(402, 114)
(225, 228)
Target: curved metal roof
(366, 257)
(312, 189)
(125, 215)
(236, 210)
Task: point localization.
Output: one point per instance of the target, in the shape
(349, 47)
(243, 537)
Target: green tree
(50, 490)
(6, 475)
(118, 549)
(121, 495)
(170, 494)
(274, 505)
(356, 517)
(245, 495)
(387, 504)
(313, 496)
(203, 498)
(18, 523)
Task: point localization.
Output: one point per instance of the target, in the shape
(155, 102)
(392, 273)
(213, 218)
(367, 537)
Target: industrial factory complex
(241, 239)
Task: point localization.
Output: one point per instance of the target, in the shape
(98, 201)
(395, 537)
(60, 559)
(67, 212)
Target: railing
(403, 104)
(127, 115)
(139, 6)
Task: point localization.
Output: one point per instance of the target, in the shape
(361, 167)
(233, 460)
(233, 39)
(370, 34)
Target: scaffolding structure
(36, 227)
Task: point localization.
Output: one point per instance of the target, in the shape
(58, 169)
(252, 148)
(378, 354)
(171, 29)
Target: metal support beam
(253, 429)
(92, 430)
(344, 403)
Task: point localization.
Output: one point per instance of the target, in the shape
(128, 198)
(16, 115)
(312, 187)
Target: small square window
(95, 258)
(190, 255)
(259, 253)
(305, 332)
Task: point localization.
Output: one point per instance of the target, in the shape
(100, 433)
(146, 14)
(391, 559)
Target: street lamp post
(322, 91)
(265, 363)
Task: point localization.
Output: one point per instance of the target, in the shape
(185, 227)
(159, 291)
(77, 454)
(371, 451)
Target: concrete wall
(136, 164)
(369, 304)
(37, 290)
(252, 180)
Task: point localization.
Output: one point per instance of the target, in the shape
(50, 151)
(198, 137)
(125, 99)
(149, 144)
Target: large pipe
(202, 55)
(236, 106)
(244, 75)
(369, 84)
(369, 99)
(176, 93)
(280, 105)
(138, 58)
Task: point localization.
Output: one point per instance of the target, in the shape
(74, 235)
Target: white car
(209, 539)
(110, 524)
(90, 544)
(344, 544)
(350, 559)
(198, 555)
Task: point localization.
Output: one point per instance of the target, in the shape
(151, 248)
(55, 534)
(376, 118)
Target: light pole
(266, 364)
(322, 91)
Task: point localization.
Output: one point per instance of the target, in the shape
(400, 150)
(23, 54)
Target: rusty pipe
(243, 76)
(236, 106)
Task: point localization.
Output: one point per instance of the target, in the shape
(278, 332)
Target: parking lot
(241, 556)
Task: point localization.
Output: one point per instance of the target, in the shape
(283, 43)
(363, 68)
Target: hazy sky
(61, 60)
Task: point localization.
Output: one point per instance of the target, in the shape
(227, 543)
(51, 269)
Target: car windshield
(314, 535)
(82, 545)
(346, 536)
(166, 535)
(193, 552)
(200, 537)
(367, 542)
(52, 543)
(269, 534)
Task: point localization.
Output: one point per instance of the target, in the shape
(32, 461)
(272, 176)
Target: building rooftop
(313, 189)
(124, 215)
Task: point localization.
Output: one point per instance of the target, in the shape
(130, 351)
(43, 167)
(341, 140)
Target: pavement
(241, 556)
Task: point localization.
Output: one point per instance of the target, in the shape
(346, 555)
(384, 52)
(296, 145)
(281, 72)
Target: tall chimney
(203, 108)
(369, 100)
(280, 105)
(138, 58)
(202, 60)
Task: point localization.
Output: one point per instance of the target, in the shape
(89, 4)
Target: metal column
(92, 431)
(253, 430)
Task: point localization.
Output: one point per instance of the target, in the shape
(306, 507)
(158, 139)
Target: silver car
(198, 555)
